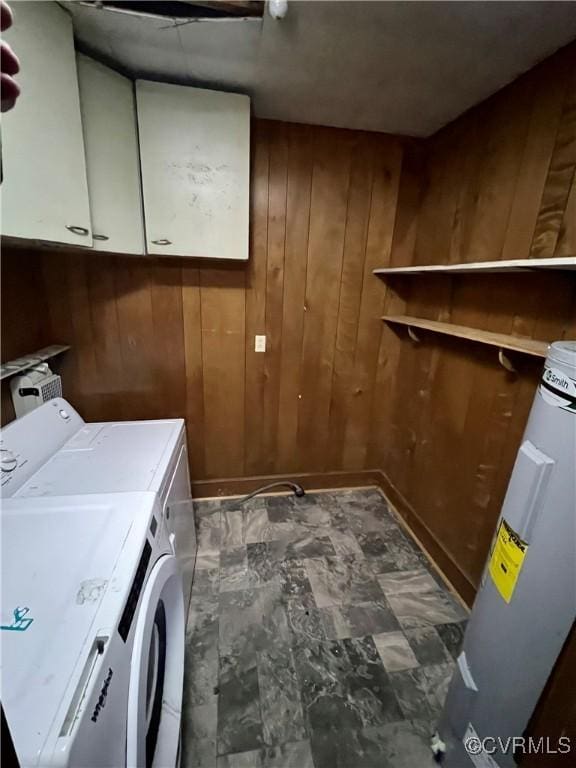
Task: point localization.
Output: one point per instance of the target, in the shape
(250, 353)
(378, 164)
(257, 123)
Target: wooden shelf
(515, 265)
(25, 363)
(500, 340)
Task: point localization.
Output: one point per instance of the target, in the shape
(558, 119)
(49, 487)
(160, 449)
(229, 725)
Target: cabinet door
(112, 162)
(194, 148)
(44, 191)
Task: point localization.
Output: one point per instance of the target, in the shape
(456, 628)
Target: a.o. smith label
(558, 389)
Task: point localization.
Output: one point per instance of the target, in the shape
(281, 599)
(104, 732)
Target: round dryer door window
(157, 669)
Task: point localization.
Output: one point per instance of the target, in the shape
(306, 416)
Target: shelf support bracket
(413, 335)
(505, 362)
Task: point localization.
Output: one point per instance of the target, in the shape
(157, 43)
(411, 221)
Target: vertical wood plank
(548, 87)
(395, 299)
(193, 366)
(328, 205)
(351, 280)
(277, 183)
(432, 233)
(507, 130)
(24, 304)
(88, 371)
(476, 142)
(567, 236)
(300, 161)
(168, 321)
(59, 317)
(387, 159)
(222, 300)
(106, 337)
(560, 175)
(410, 193)
(256, 299)
(136, 327)
(383, 405)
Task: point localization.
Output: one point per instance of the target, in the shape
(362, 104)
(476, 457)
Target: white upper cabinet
(195, 157)
(44, 191)
(112, 162)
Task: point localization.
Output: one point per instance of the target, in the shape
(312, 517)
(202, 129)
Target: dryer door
(157, 669)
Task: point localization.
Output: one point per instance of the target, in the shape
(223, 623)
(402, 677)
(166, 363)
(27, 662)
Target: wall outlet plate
(259, 343)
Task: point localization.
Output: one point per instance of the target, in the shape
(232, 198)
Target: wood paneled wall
(498, 183)
(153, 338)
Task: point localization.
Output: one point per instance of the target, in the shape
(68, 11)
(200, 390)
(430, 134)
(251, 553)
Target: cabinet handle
(78, 230)
(100, 237)
(162, 241)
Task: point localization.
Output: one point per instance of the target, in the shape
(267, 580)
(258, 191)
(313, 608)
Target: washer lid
(109, 458)
(58, 560)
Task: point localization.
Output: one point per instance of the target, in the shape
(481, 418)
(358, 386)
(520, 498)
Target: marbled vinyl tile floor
(319, 636)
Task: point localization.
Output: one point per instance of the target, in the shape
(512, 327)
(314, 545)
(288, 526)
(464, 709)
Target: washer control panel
(27, 443)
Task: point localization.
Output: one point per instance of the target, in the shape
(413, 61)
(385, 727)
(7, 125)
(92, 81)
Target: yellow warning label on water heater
(506, 560)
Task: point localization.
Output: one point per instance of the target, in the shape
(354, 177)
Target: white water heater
(526, 604)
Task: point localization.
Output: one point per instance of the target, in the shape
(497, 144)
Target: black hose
(297, 490)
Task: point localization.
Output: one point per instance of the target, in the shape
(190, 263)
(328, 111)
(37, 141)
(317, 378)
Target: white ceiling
(400, 67)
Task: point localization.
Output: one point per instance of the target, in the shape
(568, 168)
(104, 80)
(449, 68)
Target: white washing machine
(92, 631)
(98, 552)
(52, 451)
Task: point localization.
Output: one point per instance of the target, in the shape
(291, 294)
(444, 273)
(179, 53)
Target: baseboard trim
(441, 558)
(323, 481)
(310, 481)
